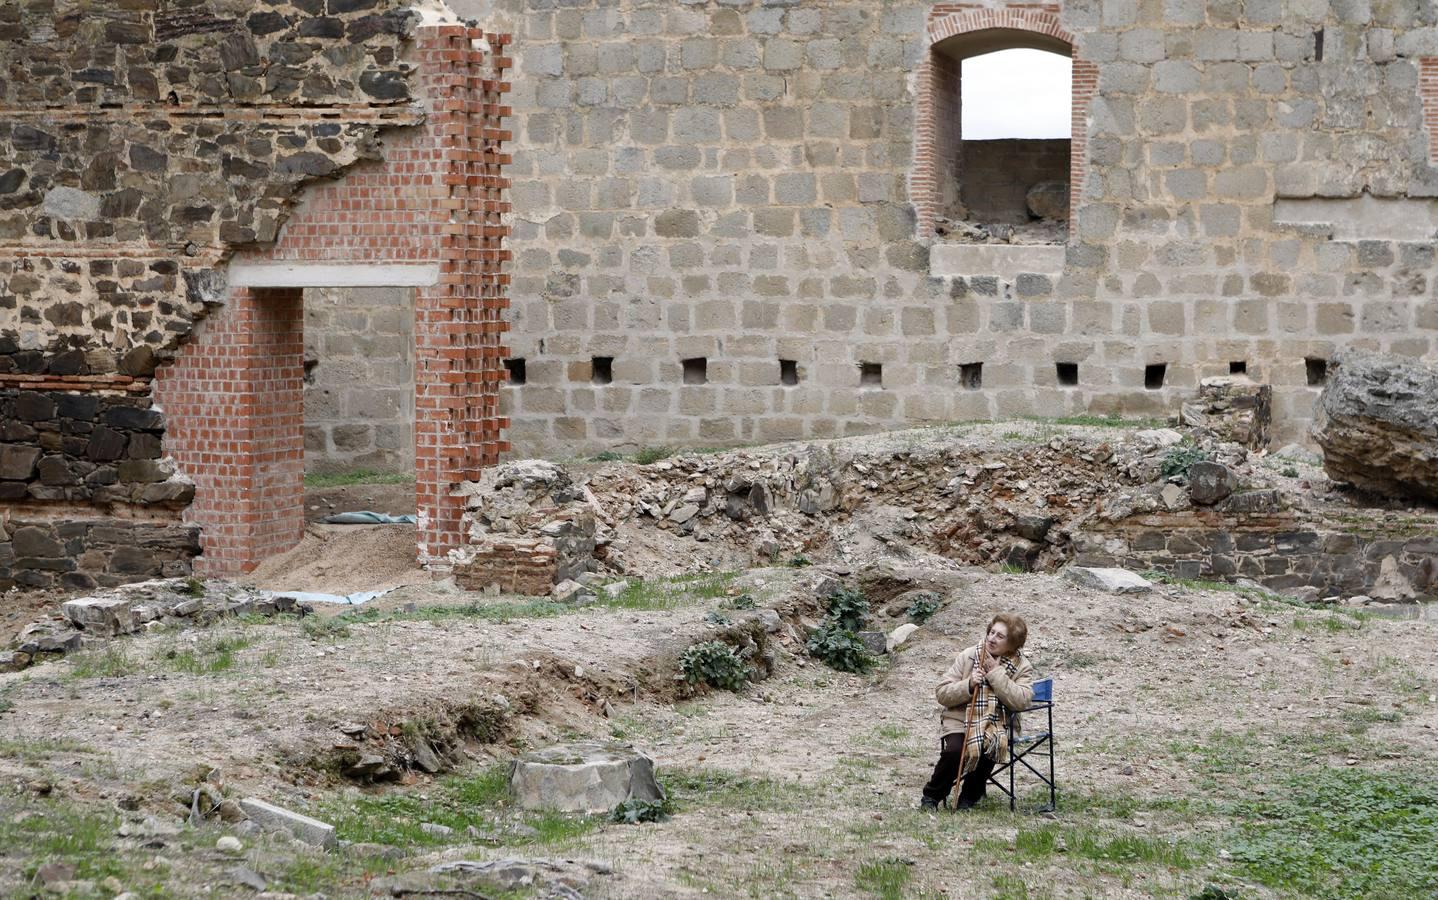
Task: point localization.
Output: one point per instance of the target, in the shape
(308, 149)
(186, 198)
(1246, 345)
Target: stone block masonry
(359, 379)
(743, 182)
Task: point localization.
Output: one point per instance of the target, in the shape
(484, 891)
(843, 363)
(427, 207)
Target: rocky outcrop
(1377, 423)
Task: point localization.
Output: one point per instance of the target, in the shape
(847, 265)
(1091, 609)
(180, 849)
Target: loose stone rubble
(125, 610)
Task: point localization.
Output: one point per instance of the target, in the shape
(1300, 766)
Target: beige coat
(1016, 693)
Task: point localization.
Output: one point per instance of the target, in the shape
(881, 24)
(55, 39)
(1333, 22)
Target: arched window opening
(1003, 114)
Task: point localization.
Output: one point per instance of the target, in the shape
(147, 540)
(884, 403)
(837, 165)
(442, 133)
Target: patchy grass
(691, 788)
(209, 656)
(357, 476)
(1101, 421)
(672, 593)
(111, 661)
(886, 878)
(1344, 833)
(37, 749)
(457, 802)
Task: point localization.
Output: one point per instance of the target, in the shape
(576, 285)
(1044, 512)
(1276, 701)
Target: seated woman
(978, 691)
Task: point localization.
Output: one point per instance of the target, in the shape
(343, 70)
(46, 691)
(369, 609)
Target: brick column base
(234, 407)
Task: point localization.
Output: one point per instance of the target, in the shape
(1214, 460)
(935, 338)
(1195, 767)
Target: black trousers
(946, 772)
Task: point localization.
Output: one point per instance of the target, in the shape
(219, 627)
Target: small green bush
(799, 561)
(923, 608)
(743, 601)
(849, 607)
(838, 647)
(1289, 472)
(714, 617)
(606, 456)
(633, 811)
(1178, 460)
(716, 664)
(647, 455)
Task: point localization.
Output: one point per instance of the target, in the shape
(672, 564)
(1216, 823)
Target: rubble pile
(529, 527)
(85, 621)
(1234, 409)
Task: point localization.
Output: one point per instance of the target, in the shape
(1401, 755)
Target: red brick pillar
(234, 408)
(459, 325)
(1085, 85)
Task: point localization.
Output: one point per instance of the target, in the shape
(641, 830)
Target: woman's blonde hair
(1018, 631)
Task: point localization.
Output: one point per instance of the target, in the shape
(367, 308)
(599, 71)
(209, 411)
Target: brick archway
(430, 216)
(937, 111)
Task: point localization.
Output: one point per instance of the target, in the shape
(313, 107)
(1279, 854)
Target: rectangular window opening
(871, 375)
(1067, 373)
(971, 376)
(1153, 375)
(1317, 370)
(1238, 367)
(788, 372)
(515, 368)
(601, 370)
(696, 370)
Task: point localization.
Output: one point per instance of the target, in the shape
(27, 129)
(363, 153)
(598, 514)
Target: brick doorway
(428, 216)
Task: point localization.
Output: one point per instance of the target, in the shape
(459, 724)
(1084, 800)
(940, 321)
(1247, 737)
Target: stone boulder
(1377, 423)
(1049, 200)
(1113, 581)
(1210, 483)
(586, 777)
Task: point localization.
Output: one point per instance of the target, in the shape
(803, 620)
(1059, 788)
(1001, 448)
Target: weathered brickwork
(144, 145)
(359, 379)
(740, 181)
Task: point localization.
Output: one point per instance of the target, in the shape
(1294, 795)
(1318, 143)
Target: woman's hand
(977, 678)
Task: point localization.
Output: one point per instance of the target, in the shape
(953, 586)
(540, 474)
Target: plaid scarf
(986, 721)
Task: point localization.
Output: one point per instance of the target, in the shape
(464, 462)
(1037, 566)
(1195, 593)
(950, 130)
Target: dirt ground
(1174, 709)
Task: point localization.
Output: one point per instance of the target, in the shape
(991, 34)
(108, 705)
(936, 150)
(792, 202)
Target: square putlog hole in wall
(1317, 370)
(871, 375)
(515, 368)
(1238, 367)
(1067, 373)
(1153, 375)
(696, 370)
(971, 376)
(601, 370)
(788, 372)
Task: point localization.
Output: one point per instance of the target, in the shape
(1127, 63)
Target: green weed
(647, 455)
(1344, 833)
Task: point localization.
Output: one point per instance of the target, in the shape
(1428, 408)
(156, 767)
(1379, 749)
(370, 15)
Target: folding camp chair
(1025, 745)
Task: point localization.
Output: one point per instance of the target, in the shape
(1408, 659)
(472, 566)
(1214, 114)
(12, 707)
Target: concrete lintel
(1006, 261)
(301, 275)
(1361, 218)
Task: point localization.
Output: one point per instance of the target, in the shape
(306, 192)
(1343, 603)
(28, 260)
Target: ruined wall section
(732, 181)
(142, 143)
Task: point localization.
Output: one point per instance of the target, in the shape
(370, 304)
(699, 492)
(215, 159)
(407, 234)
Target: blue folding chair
(1021, 747)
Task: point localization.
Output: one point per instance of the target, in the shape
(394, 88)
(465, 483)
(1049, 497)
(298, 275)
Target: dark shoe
(964, 803)
(928, 803)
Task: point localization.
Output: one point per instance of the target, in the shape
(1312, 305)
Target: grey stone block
(275, 818)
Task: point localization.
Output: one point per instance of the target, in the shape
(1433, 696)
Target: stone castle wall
(731, 181)
(998, 175)
(359, 379)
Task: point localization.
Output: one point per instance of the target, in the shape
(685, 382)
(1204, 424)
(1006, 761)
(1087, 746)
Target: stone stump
(587, 777)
